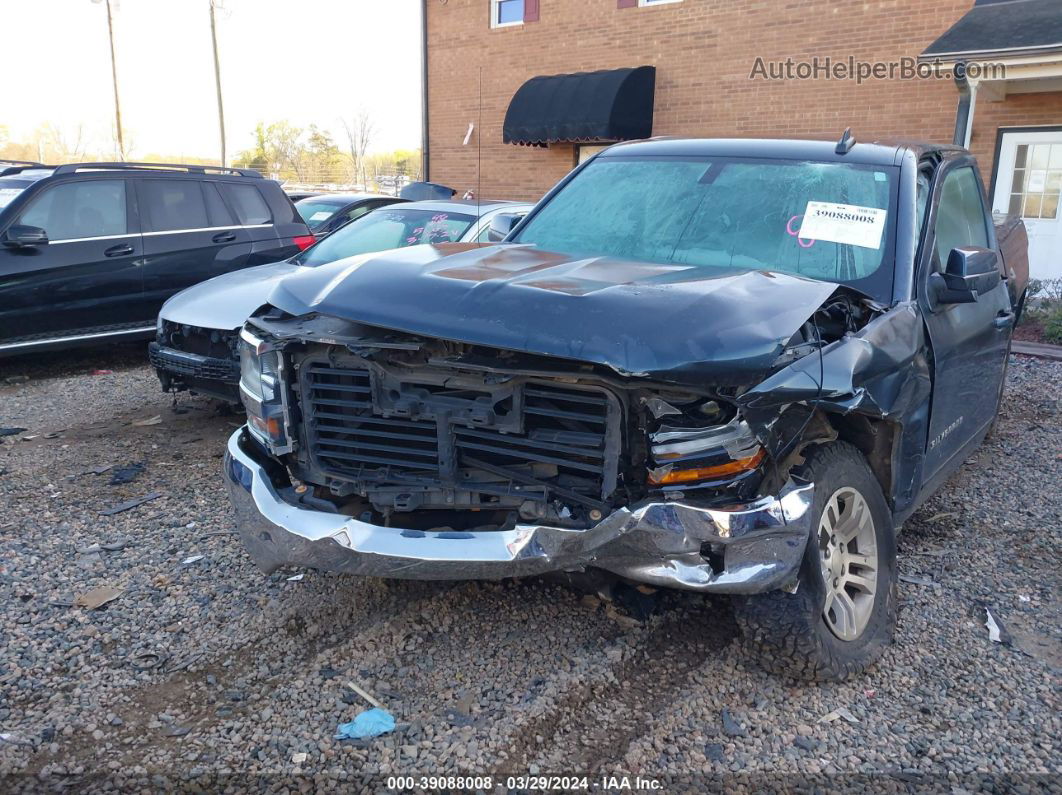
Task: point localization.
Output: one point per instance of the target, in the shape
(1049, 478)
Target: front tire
(844, 610)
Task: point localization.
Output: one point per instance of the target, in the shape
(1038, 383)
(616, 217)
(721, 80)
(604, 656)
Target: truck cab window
(960, 214)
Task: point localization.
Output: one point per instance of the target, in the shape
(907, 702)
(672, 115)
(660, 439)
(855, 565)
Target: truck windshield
(828, 221)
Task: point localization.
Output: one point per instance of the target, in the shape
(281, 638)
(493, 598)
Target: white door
(1028, 183)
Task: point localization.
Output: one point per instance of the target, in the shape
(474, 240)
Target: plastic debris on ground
(157, 419)
(842, 713)
(192, 559)
(364, 694)
(126, 474)
(102, 372)
(370, 723)
(146, 659)
(133, 503)
(98, 597)
(295, 578)
(919, 581)
(299, 758)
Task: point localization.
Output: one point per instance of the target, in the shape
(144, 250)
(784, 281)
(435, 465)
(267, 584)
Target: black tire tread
(779, 627)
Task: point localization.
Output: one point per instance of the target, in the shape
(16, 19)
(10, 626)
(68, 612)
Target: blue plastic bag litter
(370, 723)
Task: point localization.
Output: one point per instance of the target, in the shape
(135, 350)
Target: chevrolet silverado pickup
(727, 366)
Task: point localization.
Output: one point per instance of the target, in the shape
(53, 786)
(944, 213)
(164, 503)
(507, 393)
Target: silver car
(196, 345)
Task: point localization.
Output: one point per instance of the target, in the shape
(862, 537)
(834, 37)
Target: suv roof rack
(70, 168)
(8, 166)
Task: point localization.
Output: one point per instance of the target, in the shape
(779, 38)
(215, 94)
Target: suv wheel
(844, 610)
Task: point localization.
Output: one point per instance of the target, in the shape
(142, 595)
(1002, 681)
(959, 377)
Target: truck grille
(563, 427)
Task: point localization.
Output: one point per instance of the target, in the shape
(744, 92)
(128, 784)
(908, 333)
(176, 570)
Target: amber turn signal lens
(710, 473)
(270, 427)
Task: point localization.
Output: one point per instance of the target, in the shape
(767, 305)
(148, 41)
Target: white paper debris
(993, 627)
(192, 559)
(295, 578)
(847, 224)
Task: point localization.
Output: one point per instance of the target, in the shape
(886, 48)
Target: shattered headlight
(716, 452)
(261, 390)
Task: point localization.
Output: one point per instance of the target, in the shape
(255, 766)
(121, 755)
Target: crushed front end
(387, 454)
(201, 360)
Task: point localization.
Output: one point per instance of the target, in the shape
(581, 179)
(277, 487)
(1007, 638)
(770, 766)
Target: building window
(506, 12)
(1037, 181)
(584, 152)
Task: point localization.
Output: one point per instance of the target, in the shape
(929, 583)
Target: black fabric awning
(612, 105)
(998, 28)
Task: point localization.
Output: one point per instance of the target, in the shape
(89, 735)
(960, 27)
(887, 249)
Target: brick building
(704, 53)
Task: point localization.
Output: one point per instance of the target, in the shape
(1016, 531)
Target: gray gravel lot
(207, 672)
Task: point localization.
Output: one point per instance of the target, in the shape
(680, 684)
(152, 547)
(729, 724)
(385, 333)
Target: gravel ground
(205, 673)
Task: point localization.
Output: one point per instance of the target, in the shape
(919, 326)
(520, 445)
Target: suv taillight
(304, 241)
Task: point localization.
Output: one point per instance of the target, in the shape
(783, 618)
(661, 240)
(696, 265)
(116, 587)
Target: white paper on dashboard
(847, 224)
(320, 215)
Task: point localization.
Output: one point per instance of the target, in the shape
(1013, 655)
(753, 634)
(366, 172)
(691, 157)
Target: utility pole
(114, 79)
(217, 79)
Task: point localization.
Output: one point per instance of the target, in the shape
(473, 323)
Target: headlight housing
(711, 453)
(262, 391)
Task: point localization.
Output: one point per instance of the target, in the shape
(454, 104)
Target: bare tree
(63, 144)
(359, 130)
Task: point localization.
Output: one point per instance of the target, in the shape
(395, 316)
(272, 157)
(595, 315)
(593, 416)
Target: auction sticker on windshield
(847, 224)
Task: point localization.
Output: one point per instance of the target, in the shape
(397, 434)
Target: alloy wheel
(849, 556)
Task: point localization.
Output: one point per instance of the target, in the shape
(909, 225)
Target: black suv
(90, 251)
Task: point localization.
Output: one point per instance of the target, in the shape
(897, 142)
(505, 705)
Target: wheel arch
(876, 439)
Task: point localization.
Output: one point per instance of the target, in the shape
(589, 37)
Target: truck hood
(678, 323)
(226, 301)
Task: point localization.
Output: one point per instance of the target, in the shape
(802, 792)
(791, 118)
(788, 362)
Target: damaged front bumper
(213, 376)
(740, 549)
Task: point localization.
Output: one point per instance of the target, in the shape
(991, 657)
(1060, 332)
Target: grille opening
(564, 435)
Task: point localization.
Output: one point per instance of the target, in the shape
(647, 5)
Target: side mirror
(969, 273)
(21, 236)
(501, 225)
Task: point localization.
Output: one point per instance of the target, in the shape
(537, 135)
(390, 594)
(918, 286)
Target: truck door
(970, 341)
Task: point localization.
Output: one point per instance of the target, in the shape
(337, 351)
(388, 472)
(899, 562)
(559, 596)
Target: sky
(304, 61)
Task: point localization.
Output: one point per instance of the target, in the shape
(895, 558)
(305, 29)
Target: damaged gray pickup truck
(727, 366)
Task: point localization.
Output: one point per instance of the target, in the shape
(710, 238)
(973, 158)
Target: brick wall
(1017, 110)
(704, 51)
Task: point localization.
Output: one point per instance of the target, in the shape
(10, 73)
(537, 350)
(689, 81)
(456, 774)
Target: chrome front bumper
(658, 543)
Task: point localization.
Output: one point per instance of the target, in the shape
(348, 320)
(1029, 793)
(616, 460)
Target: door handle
(224, 237)
(118, 251)
(1003, 320)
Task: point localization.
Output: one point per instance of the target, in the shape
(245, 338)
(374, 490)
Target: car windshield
(829, 221)
(386, 229)
(316, 212)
